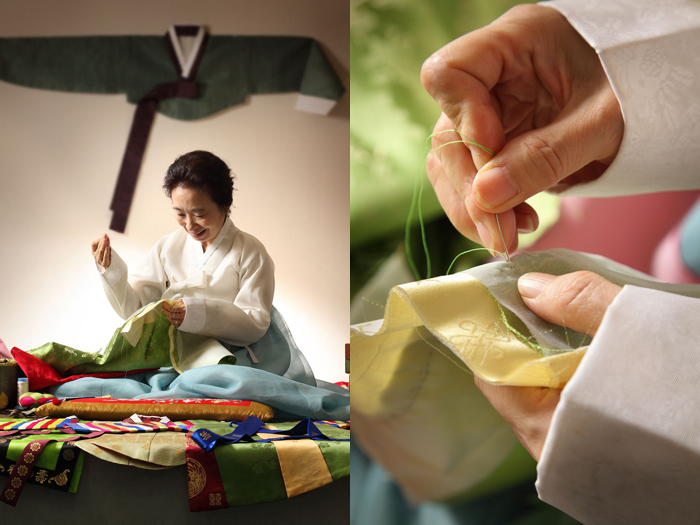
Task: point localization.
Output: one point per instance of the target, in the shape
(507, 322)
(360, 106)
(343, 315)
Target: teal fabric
(232, 67)
(376, 500)
(292, 399)
(277, 353)
(690, 239)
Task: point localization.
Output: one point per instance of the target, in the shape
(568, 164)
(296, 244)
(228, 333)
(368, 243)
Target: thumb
(539, 159)
(576, 300)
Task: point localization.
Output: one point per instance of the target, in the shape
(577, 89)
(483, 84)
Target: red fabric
(42, 375)
(205, 488)
(227, 402)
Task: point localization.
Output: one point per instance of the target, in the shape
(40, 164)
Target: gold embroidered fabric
(197, 409)
(457, 316)
(148, 450)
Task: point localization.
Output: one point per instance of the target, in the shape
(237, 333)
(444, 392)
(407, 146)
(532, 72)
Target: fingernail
(531, 285)
(485, 235)
(528, 226)
(494, 186)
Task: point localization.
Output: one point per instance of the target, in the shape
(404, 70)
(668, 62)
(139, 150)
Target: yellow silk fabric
(147, 450)
(415, 407)
(470, 330)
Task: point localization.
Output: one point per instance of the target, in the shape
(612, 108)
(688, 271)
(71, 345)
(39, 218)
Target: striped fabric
(91, 426)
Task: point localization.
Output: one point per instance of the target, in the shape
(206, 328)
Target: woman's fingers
(538, 160)
(529, 411)
(545, 92)
(576, 300)
(102, 251)
(175, 312)
(455, 164)
(453, 188)
(460, 77)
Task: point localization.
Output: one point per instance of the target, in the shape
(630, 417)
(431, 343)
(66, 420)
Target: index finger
(460, 77)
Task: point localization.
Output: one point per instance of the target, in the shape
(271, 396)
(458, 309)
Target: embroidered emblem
(16, 483)
(41, 476)
(29, 457)
(34, 447)
(68, 455)
(10, 494)
(61, 479)
(215, 499)
(22, 470)
(196, 477)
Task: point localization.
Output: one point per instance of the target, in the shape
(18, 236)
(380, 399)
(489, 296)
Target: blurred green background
(391, 117)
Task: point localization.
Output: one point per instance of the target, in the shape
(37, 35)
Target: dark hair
(204, 171)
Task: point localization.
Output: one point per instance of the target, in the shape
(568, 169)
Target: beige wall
(60, 154)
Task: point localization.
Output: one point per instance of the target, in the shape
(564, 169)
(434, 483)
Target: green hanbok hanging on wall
(155, 73)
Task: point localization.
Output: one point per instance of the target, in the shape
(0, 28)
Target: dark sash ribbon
(136, 146)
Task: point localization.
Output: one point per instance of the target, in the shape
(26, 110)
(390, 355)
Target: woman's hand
(175, 312)
(532, 90)
(577, 300)
(102, 251)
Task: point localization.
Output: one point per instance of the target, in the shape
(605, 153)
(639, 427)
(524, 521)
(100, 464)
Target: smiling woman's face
(198, 214)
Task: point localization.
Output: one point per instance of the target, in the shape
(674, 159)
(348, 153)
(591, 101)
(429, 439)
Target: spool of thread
(22, 387)
(8, 381)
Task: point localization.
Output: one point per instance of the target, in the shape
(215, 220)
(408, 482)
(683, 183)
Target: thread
(417, 200)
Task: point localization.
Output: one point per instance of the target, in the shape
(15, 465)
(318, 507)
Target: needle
(505, 248)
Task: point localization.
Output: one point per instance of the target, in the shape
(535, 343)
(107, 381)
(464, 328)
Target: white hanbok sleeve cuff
(649, 50)
(624, 442)
(195, 315)
(117, 269)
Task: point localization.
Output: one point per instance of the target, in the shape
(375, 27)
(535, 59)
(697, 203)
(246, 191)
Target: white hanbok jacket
(624, 442)
(227, 290)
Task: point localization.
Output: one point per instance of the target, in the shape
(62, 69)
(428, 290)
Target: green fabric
(391, 113)
(336, 454)
(55, 460)
(152, 349)
(77, 473)
(250, 473)
(232, 67)
(228, 360)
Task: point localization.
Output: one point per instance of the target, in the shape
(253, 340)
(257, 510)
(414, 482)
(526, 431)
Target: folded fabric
(293, 400)
(252, 426)
(42, 375)
(145, 341)
(40, 451)
(148, 451)
(411, 372)
(246, 473)
(175, 409)
(49, 459)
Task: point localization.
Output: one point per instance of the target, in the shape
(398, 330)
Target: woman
(218, 280)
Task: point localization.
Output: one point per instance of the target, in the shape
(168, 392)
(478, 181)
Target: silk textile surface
(411, 371)
(246, 473)
(292, 399)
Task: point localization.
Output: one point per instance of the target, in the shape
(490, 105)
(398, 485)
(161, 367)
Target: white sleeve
(624, 442)
(127, 293)
(650, 50)
(245, 318)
